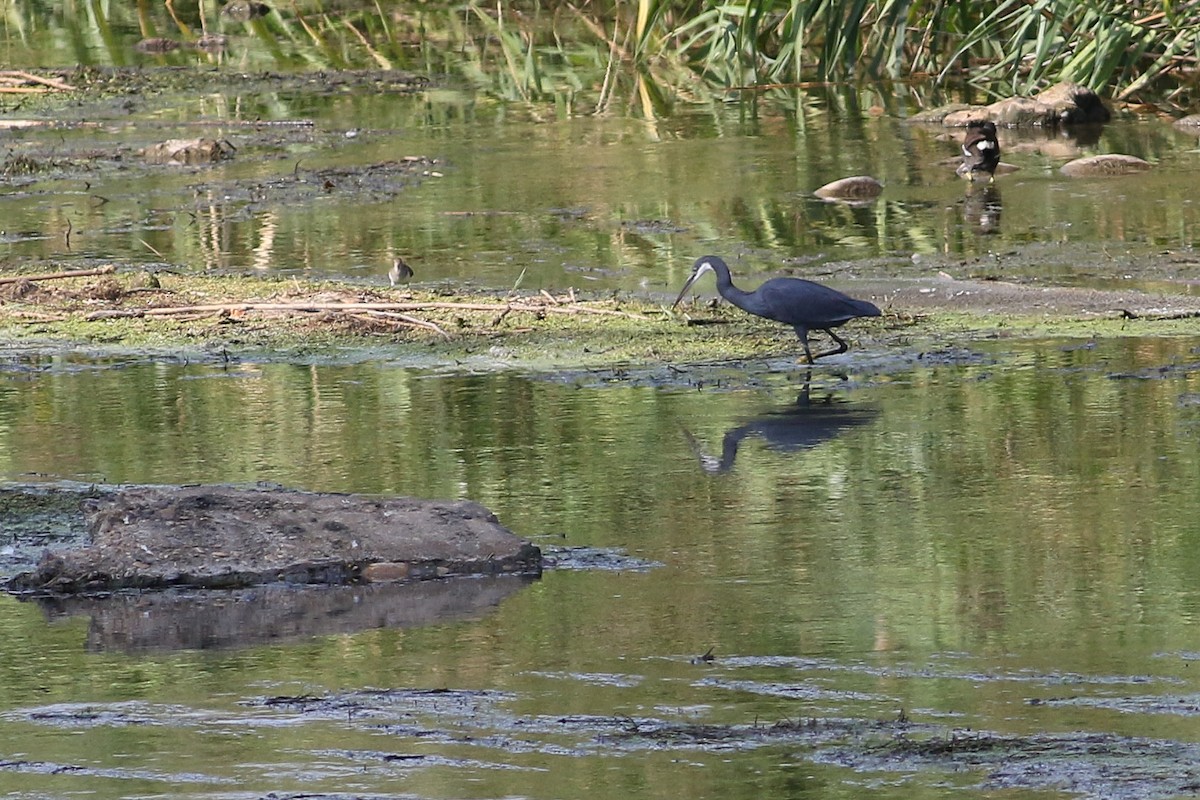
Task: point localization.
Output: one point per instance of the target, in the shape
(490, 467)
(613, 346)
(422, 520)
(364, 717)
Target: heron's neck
(742, 299)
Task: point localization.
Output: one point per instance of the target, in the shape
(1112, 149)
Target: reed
(531, 50)
(1129, 48)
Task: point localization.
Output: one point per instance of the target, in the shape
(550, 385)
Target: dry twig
(13, 80)
(312, 306)
(405, 319)
(53, 276)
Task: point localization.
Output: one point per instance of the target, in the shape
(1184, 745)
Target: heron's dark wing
(799, 302)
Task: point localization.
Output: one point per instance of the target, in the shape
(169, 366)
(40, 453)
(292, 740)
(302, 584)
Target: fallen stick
(33, 318)
(29, 76)
(310, 307)
(407, 320)
(53, 276)
(13, 124)
(113, 313)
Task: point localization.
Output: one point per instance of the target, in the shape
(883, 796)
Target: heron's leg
(802, 332)
(841, 348)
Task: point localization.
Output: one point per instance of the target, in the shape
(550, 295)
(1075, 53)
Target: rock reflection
(163, 621)
(982, 208)
(789, 429)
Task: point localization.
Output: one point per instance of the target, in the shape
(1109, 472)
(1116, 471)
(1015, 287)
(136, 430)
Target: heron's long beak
(686, 286)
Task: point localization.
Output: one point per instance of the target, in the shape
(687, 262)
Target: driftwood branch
(10, 77)
(392, 311)
(405, 319)
(309, 307)
(54, 276)
(34, 318)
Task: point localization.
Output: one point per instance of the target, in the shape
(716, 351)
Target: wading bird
(981, 150)
(400, 272)
(804, 305)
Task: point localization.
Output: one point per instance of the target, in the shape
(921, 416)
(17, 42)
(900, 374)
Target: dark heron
(981, 150)
(804, 305)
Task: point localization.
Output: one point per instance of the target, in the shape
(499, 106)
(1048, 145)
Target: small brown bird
(981, 150)
(400, 272)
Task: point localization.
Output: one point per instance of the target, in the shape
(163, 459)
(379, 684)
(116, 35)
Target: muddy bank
(131, 313)
(227, 537)
(97, 91)
(165, 309)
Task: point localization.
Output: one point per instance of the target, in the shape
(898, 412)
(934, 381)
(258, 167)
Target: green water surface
(952, 542)
(1002, 539)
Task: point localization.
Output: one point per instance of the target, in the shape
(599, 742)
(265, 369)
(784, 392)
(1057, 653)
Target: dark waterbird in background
(981, 150)
(804, 305)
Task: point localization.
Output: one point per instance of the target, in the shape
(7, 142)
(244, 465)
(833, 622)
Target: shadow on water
(788, 429)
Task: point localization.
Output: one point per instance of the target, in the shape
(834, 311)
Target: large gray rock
(1021, 112)
(937, 116)
(1074, 104)
(1064, 104)
(229, 537)
(1190, 123)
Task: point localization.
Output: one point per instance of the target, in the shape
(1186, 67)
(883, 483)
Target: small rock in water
(156, 45)
(1104, 165)
(858, 189)
(211, 42)
(188, 151)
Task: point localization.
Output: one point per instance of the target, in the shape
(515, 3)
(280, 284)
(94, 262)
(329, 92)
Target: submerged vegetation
(1140, 51)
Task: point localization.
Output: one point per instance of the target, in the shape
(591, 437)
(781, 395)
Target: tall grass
(1146, 50)
(620, 50)
(1129, 48)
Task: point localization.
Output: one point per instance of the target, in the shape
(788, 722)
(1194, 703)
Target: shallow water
(531, 195)
(998, 540)
(950, 542)
(605, 204)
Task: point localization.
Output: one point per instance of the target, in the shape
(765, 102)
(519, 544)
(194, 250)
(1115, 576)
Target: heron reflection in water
(982, 208)
(789, 429)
